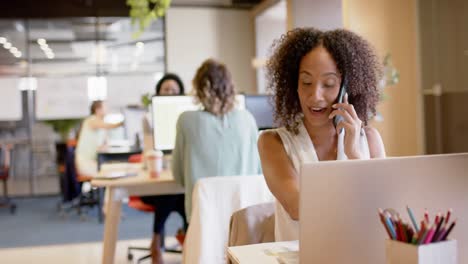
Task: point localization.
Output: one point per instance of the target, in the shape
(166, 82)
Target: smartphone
(337, 119)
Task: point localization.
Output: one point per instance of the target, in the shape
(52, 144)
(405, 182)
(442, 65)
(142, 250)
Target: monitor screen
(165, 112)
(133, 124)
(262, 110)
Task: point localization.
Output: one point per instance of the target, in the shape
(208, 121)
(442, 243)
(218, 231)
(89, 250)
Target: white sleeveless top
(300, 149)
(89, 142)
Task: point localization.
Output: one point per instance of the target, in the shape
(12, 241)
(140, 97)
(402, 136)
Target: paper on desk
(267, 253)
(119, 170)
(284, 255)
(291, 257)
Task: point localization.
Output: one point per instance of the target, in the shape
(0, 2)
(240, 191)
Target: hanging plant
(143, 12)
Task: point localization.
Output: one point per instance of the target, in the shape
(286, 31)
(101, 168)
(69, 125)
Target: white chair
(214, 200)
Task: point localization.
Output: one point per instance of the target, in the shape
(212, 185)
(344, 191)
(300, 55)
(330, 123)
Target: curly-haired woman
(219, 140)
(305, 73)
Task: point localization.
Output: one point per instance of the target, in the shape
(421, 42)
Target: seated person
(219, 140)
(91, 139)
(170, 84)
(306, 71)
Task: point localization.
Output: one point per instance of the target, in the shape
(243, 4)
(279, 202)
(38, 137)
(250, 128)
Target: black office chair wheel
(130, 256)
(13, 209)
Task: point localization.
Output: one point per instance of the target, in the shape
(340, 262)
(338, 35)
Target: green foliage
(146, 99)
(143, 12)
(63, 126)
(391, 77)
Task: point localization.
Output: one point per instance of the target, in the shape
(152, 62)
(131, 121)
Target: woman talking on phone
(318, 78)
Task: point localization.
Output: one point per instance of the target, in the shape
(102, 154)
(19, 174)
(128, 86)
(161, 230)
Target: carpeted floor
(37, 222)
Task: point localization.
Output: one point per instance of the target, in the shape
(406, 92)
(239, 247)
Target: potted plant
(63, 128)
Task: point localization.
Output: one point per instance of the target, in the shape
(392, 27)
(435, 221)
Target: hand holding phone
(337, 119)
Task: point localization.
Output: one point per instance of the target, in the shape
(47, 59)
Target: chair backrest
(252, 225)
(214, 200)
(5, 161)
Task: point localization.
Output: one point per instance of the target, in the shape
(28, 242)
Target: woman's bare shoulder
(376, 146)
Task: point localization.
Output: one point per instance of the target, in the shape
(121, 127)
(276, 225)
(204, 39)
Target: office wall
(322, 14)
(391, 26)
(195, 34)
(269, 26)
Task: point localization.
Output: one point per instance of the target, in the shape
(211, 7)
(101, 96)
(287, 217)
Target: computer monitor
(165, 112)
(133, 124)
(339, 200)
(262, 110)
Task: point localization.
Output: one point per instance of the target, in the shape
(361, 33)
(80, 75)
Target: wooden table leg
(111, 225)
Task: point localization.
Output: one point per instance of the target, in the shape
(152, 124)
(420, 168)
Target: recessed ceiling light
(13, 49)
(140, 44)
(18, 54)
(45, 47)
(7, 45)
(50, 56)
(3, 40)
(41, 41)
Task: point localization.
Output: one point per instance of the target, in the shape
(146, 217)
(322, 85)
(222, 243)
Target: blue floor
(37, 222)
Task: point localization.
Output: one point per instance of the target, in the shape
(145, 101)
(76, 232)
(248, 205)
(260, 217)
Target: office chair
(136, 203)
(71, 183)
(5, 201)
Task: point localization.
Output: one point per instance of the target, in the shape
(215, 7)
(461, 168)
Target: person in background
(91, 139)
(170, 84)
(306, 72)
(219, 140)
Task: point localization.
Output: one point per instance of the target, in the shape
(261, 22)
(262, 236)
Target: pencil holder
(444, 252)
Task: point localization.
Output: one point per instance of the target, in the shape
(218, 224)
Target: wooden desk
(118, 189)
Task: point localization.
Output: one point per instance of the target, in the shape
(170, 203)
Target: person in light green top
(219, 140)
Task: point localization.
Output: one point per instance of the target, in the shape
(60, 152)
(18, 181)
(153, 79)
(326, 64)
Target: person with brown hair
(306, 72)
(219, 140)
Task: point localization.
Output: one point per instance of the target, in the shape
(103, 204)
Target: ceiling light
(140, 44)
(17, 54)
(41, 41)
(13, 49)
(3, 40)
(7, 45)
(50, 56)
(45, 47)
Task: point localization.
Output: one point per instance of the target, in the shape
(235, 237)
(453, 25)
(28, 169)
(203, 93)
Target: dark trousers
(164, 205)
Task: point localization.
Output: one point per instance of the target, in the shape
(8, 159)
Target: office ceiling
(77, 48)
(89, 8)
(69, 28)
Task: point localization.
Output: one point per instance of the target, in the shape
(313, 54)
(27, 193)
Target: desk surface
(267, 253)
(119, 188)
(142, 177)
(142, 184)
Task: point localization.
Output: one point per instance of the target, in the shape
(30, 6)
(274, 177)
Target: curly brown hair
(214, 87)
(354, 56)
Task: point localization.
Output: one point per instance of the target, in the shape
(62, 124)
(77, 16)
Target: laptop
(339, 202)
